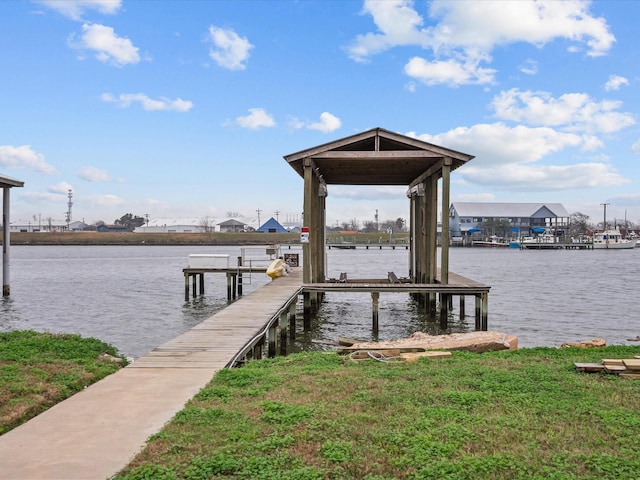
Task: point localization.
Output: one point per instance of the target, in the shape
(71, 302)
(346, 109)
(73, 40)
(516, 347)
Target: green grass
(38, 370)
(524, 414)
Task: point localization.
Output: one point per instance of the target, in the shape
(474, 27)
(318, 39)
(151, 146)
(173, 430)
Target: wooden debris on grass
(596, 342)
(473, 342)
(624, 367)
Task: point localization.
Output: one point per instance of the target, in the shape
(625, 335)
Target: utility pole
(69, 204)
(277, 213)
(258, 212)
(605, 215)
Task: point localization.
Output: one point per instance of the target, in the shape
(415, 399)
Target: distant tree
(207, 224)
(400, 224)
(495, 226)
(369, 226)
(579, 223)
(129, 221)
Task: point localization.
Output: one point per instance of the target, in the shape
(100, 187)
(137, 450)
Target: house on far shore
(111, 228)
(470, 217)
(272, 226)
(232, 225)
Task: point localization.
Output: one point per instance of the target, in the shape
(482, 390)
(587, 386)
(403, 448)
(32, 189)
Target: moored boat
(612, 240)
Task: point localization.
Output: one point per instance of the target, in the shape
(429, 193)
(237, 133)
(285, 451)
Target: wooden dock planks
(214, 342)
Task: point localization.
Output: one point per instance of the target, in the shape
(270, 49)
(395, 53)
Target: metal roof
(377, 157)
(8, 182)
(504, 210)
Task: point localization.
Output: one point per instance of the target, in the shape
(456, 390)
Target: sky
(186, 108)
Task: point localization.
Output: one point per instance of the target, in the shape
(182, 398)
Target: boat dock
(97, 432)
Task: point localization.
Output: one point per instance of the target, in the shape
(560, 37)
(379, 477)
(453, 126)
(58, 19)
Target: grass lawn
(524, 414)
(38, 370)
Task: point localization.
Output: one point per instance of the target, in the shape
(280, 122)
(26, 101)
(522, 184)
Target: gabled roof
(232, 222)
(497, 209)
(376, 157)
(272, 224)
(8, 182)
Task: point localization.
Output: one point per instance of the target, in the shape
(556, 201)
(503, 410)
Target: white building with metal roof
(468, 217)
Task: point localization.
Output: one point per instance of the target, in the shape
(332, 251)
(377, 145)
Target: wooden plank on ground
(632, 363)
(589, 367)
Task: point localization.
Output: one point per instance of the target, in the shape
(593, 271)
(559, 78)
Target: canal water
(133, 296)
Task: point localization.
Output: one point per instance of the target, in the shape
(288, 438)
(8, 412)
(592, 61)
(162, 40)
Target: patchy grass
(524, 414)
(38, 370)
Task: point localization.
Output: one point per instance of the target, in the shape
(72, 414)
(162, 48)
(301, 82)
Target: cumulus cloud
(328, 123)
(75, 9)
(529, 67)
(635, 148)
(93, 174)
(126, 99)
(257, 118)
(576, 112)
(510, 158)
(462, 34)
(615, 82)
(365, 192)
(229, 50)
(61, 188)
(107, 200)
(108, 47)
(12, 157)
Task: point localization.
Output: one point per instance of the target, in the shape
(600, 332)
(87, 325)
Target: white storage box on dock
(204, 260)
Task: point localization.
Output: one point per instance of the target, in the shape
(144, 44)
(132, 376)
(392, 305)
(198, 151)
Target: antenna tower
(69, 205)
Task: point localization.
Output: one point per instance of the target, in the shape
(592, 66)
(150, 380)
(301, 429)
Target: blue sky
(186, 108)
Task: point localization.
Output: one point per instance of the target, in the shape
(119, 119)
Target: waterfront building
(518, 218)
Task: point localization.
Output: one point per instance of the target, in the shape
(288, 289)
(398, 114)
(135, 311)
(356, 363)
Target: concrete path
(97, 432)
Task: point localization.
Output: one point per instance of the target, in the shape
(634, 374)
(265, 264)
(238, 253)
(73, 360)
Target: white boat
(612, 240)
(541, 242)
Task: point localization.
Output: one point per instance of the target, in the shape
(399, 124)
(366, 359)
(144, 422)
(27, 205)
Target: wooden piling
(374, 300)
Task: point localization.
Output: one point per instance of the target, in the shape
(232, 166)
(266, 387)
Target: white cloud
(328, 123)
(572, 111)
(149, 104)
(257, 118)
(229, 49)
(23, 157)
(506, 158)
(107, 201)
(449, 72)
(529, 67)
(635, 148)
(93, 174)
(108, 47)
(61, 188)
(615, 82)
(74, 9)
(367, 192)
(464, 33)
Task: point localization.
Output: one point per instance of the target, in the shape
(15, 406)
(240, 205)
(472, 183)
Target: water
(133, 296)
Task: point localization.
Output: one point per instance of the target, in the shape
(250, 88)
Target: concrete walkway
(97, 432)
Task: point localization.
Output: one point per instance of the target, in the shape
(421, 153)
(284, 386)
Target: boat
(545, 241)
(612, 240)
(492, 241)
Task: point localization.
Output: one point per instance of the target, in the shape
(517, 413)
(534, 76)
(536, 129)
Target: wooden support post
(292, 320)
(432, 304)
(306, 299)
(229, 287)
(271, 347)
(462, 312)
(374, 300)
(485, 312)
(239, 277)
(444, 311)
(283, 333)
(257, 350)
(186, 287)
(193, 285)
(234, 279)
(202, 284)
(478, 312)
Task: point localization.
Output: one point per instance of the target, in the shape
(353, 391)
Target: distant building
(111, 228)
(468, 217)
(173, 225)
(272, 226)
(232, 225)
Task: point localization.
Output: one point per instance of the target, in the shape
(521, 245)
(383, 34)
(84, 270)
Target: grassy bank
(254, 238)
(38, 370)
(523, 414)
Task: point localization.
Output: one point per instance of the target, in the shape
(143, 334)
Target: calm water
(133, 296)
